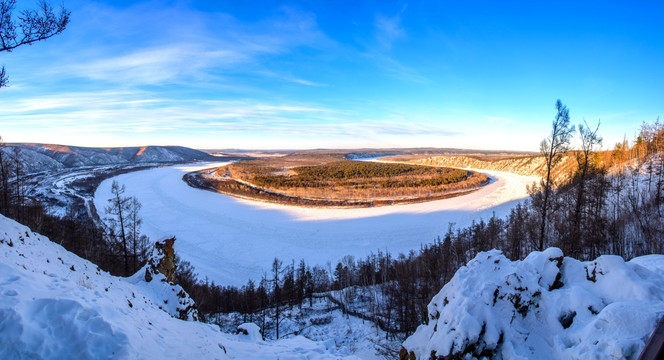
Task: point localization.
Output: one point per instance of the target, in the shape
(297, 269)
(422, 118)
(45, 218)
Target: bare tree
(4, 178)
(19, 194)
(28, 27)
(139, 243)
(276, 291)
(118, 210)
(552, 148)
(589, 140)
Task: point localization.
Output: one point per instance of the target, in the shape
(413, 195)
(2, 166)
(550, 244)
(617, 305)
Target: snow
(250, 331)
(493, 307)
(322, 321)
(40, 157)
(230, 240)
(55, 305)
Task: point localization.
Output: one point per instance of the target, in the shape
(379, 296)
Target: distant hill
(40, 157)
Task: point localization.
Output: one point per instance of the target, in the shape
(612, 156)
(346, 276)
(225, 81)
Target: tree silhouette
(28, 27)
(552, 149)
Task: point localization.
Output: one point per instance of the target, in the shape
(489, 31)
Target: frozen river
(229, 240)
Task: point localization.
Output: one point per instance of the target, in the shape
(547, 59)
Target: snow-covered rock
(157, 279)
(55, 305)
(546, 307)
(250, 331)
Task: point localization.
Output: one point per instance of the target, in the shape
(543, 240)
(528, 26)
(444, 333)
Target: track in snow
(229, 240)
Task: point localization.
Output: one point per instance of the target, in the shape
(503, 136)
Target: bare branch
(35, 25)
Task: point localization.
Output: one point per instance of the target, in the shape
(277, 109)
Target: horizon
(479, 76)
(230, 150)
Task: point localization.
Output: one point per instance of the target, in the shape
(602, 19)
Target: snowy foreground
(229, 240)
(544, 307)
(55, 305)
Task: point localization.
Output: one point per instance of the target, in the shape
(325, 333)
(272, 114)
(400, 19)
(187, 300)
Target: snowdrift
(55, 305)
(544, 307)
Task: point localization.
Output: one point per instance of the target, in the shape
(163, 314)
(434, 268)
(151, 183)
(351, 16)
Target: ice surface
(229, 240)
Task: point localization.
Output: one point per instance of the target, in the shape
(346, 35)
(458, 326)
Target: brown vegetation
(327, 179)
(530, 165)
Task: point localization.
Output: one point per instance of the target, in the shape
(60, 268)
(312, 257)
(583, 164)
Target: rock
(161, 268)
(162, 261)
(148, 275)
(250, 332)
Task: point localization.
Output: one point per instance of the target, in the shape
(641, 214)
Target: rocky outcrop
(160, 274)
(162, 261)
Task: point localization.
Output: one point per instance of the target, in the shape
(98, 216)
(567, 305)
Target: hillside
(522, 165)
(41, 157)
(55, 305)
(543, 307)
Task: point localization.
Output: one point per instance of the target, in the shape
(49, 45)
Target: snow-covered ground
(55, 305)
(230, 240)
(323, 322)
(544, 307)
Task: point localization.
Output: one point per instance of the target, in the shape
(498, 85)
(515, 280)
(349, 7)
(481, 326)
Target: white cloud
(159, 64)
(129, 112)
(144, 44)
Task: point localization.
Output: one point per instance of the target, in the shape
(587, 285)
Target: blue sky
(314, 74)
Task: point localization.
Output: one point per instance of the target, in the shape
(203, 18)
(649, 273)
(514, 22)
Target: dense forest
(611, 204)
(364, 175)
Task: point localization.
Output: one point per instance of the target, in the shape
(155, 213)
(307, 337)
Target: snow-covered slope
(521, 165)
(55, 305)
(41, 157)
(544, 307)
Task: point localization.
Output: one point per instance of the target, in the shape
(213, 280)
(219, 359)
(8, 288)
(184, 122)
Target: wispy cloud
(395, 68)
(286, 77)
(159, 64)
(387, 31)
(305, 82)
(176, 44)
(130, 112)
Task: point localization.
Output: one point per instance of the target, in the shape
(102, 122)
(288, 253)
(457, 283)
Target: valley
(230, 240)
(331, 180)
